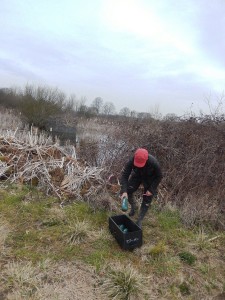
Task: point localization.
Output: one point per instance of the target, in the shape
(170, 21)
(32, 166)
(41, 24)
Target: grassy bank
(37, 236)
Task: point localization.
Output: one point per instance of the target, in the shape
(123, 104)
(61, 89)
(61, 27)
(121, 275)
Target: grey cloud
(16, 68)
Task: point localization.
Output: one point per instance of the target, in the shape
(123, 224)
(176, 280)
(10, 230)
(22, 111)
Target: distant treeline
(37, 104)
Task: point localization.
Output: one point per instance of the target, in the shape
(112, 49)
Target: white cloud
(142, 20)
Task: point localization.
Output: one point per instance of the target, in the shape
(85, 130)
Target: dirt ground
(79, 282)
(69, 281)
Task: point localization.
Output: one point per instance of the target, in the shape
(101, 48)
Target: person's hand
(124, 195)
(148, 193)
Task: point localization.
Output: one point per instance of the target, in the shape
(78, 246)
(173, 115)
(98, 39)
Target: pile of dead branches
(56, 170)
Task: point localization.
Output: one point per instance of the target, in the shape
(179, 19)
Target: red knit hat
(140, 157)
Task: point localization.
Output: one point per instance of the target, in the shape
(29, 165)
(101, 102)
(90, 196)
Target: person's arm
(125, 176)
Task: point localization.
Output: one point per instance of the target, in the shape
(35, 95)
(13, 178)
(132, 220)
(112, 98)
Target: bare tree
(78, 104)
(171, 117)
(133, 114)
(108, 108)
(97, 104)
(154, 111)
(216, 106)
(144, 115)
(125, 111)
(39, 103)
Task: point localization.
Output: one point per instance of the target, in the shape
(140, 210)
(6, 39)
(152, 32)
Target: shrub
(187, 257)
(184, 289)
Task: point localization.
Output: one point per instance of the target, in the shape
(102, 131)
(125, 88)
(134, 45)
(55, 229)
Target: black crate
(130, 240)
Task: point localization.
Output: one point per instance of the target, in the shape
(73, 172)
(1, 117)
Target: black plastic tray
(130, 240)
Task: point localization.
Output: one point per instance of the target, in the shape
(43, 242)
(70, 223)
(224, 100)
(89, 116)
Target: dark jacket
(150, 175)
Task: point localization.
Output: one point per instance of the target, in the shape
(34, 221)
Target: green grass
(39, 229)
(184, 289)
(187, 257)
(169, 220)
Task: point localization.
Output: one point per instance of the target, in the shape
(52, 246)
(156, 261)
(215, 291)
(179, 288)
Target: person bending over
(144, 169)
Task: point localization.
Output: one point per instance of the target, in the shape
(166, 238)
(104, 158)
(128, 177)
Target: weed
(187, 257)
(99, 218)
(104, 235)
(57, 213)
(169, 219)
(51, 222)
(96, 259)
(77, 210)
(184, 289)
(205, 269)
(203, 241)
(158, 250)
(164, 265)
(81, 210)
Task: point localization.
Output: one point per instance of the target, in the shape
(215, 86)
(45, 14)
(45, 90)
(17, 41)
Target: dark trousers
(133, 184)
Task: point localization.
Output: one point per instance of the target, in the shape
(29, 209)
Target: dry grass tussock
(78, 232)
(124, 282)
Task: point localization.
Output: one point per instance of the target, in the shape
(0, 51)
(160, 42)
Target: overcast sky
(147, 55)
